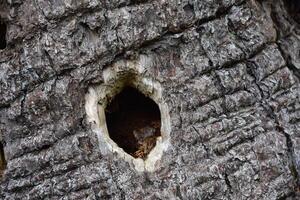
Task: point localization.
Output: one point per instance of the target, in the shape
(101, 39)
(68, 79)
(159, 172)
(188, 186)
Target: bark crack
(227, 182)
(289, 64)
(120, 52)
(289, 143)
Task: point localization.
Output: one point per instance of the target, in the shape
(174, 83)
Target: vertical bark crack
(289, 64)
(227, 181)
(289, 143)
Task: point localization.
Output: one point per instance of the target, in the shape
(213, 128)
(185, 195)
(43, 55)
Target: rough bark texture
(230, 72)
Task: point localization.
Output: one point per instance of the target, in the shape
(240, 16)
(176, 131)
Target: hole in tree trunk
(2, 35)
(2, 160)
(129, 116)
(133, 122)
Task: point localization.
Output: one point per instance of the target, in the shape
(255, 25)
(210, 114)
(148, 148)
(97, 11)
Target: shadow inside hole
(2, 160)
(3, 30)
(133, 122)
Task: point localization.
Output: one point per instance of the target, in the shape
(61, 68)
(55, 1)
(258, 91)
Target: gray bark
(230, 73)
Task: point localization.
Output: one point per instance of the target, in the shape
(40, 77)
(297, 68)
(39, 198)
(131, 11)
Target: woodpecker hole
(129, 116)
(133, 122)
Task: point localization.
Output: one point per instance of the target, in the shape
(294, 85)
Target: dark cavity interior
(2, 160)
(2, 35)
(133, 122)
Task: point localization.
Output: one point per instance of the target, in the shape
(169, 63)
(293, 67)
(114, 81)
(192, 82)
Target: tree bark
(229, 71)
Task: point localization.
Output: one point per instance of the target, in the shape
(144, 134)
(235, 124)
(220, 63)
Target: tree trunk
(224, 74)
